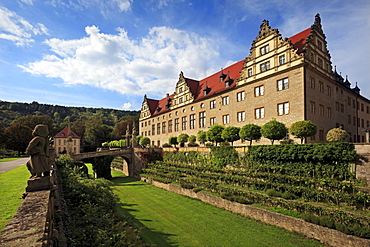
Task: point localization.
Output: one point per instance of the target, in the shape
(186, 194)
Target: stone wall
(323, 234)
(32, 223)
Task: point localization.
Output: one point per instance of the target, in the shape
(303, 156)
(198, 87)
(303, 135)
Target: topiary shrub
(337, 135)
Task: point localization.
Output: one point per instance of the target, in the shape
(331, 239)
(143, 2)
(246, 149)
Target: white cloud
(118, 63)
(14, 28)
(126, 106)
(30, 2)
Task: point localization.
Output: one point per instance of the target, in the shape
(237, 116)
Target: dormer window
(228, 81)
(159, 109)
(206, 90)
(222, 76)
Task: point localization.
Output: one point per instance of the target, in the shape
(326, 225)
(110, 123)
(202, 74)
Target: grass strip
(12, 184)
(169, 219)
(9, 159)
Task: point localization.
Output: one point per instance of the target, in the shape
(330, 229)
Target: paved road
(8, 165)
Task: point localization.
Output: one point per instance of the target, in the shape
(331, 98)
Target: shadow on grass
(151, 236)
(124, 181)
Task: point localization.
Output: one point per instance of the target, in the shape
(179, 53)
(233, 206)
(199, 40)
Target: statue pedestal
(39, 183)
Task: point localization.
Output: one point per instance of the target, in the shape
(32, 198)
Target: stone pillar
(367, 136)
(134, 144)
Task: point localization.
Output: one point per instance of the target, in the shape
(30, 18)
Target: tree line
(272, 130)
(93, 125)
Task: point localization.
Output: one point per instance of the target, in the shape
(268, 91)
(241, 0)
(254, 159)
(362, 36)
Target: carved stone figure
(38, 148)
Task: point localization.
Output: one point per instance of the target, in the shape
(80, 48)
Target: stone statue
(38, 148)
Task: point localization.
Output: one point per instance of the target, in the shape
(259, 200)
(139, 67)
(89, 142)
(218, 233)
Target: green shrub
(288, 196)
(272, 192)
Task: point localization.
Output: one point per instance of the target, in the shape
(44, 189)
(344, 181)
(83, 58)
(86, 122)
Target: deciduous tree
(274, 130)
(230, 134)
(182, 138)
(202, 136)
(173, 140)
(250, 132)
(303, 129)
(18, 136)
(145, 141)
(214, 134)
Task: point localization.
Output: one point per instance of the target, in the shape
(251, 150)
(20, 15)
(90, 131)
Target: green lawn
(12, 184)
(168, 219)
(10, 159)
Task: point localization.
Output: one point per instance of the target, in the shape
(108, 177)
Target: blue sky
(109, 53)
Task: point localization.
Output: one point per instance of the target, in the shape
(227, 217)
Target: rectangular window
(250, 72)
(259, 91)
(259, 113)
(367, 109)
(321, 110)
(226, 119)
(354, 121)
(349, 119)
(177, 123)
(225, 100)
(153, 129)
(312, 82)
(362, 123)
(264, 50)
(349, 101)
(180, 100)
(354, 103)
(281, 59)
(240, 96)
(282, 84)
(328, 112)
(192, 121)
(321, 135)
(328, 89)
(158, 128)
(212, 104)
(283, 108)
(212, 120)
(341, 107)
(337, 106)
(319, 61)
(241, 116)
(170, 126)
(312, 107)
(202, 119)
(265, 66)
(164, 127)
(321, 87)
(184, 122)
(362, 107)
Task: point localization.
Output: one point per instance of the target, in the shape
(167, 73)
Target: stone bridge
(135, 158)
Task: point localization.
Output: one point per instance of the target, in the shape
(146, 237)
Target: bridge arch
(135, 158)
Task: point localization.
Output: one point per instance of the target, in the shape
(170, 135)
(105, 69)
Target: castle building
(61, 142)
(289, 79)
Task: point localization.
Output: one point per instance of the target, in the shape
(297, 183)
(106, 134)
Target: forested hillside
(93, 125)
(10, 111)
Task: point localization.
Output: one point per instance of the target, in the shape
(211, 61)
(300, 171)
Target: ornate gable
(269, 54)
(183, 92)
(147, 107)
(316, 51)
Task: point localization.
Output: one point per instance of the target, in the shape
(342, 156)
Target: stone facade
(289, 79)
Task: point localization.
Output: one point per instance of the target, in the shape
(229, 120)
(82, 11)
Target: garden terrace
(322, 189)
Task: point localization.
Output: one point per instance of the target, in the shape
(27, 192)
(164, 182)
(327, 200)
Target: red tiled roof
(299, 40)
(197, 87)
(213, 81)
(64, 134)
